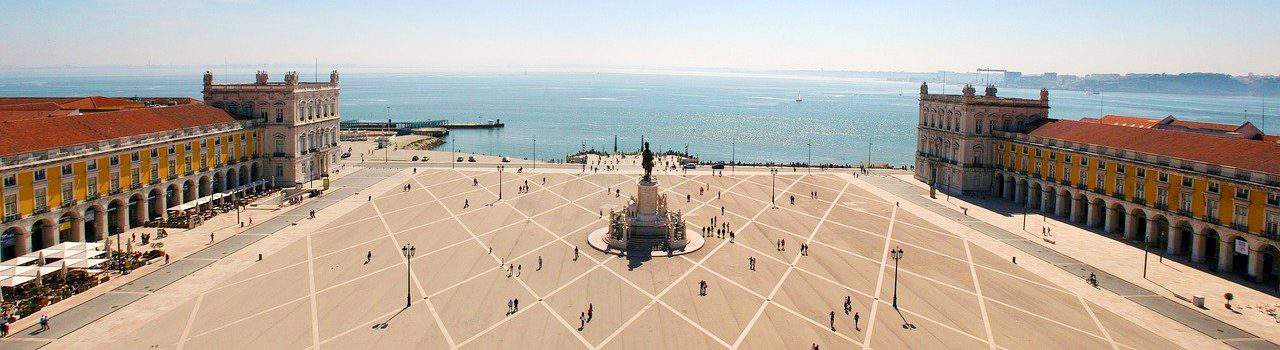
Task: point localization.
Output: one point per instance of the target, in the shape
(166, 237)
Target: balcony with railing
(11, 217)
(40, 209)
(1212, 220)
(1162, 206)
(1185, 212)
(1240, 226)
(68, 202)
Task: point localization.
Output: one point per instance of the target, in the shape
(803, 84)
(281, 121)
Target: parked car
(690, 166)
(718, 166)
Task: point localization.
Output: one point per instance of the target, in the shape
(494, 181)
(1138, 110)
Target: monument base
(694, 240)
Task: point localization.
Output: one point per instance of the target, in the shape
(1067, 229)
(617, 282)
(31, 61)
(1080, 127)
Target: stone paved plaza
(321, 288)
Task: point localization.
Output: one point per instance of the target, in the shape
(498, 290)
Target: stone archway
(1269, 272)
(172, 196)
(1116, 219)
(13, 237)
(1136, 225)
(156, 204)
(70, 227)
(1158, 232)
(114, 215)
(1212, 243)
(137, 206)
(44, 233)
(1180, 239)
(205, 188)
(189, 191)
(1097, 215)
(95, 223)
(1239, 261)
(1033, 197)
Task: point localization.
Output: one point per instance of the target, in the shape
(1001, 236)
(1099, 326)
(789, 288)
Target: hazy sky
(1030, 36)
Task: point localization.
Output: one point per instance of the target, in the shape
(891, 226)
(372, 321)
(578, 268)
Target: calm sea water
(717, 116)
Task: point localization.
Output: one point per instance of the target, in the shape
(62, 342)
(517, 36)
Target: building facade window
(93, 165)
(1213, 187)
(1162, 197)
(91, 187)
(1242, 193)
(40, 175)
(115, 160)
(1084, 177)
(1272, 226)
(1211, 208)
(1163, 177)
(66, 169)
(1119, 186)
(68, 193)
(1186, 181)
(41, 200)
(1139, 191)
(135, 157)
(10, 181)
(115, 182)
(1241, 217)
(1185, 206)
(1273, 199)
(10, 205)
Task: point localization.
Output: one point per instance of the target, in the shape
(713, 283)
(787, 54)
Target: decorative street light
(500, 167)
(408, 251)
(773, 192)
(896, 254)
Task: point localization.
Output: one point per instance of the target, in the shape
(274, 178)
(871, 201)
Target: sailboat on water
(798, 99)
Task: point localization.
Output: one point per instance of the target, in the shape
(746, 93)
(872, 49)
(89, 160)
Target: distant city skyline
(923, 36)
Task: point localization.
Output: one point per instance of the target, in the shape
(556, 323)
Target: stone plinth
(647, 198)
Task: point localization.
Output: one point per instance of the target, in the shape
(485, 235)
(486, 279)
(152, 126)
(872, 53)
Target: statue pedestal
(647, 198)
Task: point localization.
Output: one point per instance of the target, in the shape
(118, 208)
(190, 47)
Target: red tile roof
(41, 133)
(28, 100)
(1206, 125)
(1131, 121)
(1254, 155)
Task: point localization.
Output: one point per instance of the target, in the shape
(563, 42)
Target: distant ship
(798, 99)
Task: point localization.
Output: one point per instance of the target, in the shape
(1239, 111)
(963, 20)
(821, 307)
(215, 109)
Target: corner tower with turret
(955, 133)
(298, 121)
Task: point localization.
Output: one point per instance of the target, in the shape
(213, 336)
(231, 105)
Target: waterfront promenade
(957, 289)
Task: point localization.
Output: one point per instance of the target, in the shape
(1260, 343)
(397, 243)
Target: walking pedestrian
(210, 237)
(833, 321)
(702, 288)
(539, 263)
(848, 305)
(591, 308)
(166, 258)
(44, 323)
(575, 253)
(368, 256)
(856, 316)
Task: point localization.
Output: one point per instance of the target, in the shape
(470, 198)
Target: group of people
(586, 316)
(718, 229)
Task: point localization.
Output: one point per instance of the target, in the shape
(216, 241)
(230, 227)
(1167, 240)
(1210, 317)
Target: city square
(344, 283)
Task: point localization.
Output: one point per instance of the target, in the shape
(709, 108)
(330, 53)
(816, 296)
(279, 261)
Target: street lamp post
(408, 251)
(809, 163)
(896, 254)
(733, 158)
(500, 181)
(773, 191)
(535, 153)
